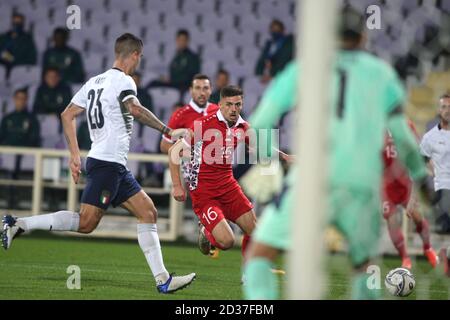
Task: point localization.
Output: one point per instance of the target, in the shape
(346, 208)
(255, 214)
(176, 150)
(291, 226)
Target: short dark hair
(200, 76)
(231, 91)
(62, 31)
(183, 32)
(126, 44)
(223, 71)
(51, 68)
(277, 22)
(352, 24)
(18, 15)
(445, 96)
(21, 90)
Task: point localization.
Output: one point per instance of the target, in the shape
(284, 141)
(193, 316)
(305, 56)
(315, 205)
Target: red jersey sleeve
(174, 123)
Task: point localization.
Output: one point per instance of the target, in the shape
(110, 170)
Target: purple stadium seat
(50, 134)
(150, 140)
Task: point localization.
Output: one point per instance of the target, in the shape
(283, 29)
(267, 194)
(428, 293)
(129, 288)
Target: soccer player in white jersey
(435, 147)
(110, 103)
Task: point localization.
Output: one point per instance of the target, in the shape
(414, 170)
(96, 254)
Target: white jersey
(110, 124)
(436, 146)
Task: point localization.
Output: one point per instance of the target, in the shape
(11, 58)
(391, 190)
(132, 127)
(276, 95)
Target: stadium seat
(209, 67)
(8, 162)
(215, 22)
(50, 130)
(89, 4)
(150, 140)
(94, 62)
(162, 5)
(120, 5)
(180, 21)
(198, 6)
(2, 73)
(253, 84)
(250, 101)
(164, 98)
(24, 75)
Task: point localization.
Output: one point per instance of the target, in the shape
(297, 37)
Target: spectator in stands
(277, 52)
(66, 59)
(222, 80)
(53, 95)
(83, 137)
(17, 46)
(20, 128)
(183, 67)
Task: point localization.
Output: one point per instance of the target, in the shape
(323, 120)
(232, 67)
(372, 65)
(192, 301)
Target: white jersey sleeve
(80, 98)
(127, 89)
(425, 147)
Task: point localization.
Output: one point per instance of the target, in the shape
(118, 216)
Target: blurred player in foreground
(366, 98)
(215, 193)
(398, 193)
(110, 102)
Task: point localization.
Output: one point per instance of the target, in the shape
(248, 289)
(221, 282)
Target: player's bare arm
(68, 119)
(164, 146)
(147, 118)
(430, 166)
(176, 153)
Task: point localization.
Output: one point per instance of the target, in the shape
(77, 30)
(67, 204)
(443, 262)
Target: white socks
(58, 221)
(149, 242)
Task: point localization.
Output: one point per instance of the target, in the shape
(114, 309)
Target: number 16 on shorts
(211, 215)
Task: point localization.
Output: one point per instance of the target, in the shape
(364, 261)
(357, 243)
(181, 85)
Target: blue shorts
(108, 183)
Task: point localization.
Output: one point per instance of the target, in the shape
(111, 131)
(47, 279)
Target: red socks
(423, 230)
(398, 240)
(245, 241)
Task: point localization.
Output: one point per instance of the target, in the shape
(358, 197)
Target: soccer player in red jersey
(397, 191)
(198, 107)
(216, 195)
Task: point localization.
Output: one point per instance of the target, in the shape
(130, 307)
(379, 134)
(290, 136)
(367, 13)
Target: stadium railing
(115, 226)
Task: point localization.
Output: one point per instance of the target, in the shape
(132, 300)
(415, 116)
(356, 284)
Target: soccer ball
(400, 282)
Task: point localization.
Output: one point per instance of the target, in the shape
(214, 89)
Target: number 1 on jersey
(342, 87)
(95, 115)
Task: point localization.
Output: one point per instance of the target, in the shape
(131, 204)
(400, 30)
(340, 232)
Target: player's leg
(423, 229)
(247, 223)
(101, 186)
(131, 197)
(395, 231)
(270, 237)
(444, 258)
(261, 282)
(240, 211)
(356, 214)
(215, 227)
(442, 212)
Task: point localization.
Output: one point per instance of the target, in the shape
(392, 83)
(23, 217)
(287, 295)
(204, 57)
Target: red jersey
(185, 116)
(209, 170)
(396, 182)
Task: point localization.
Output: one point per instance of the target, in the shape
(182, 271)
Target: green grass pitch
(36, 268)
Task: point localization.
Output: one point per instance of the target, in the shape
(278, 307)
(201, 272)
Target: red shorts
(395, 194)
(211, 210)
